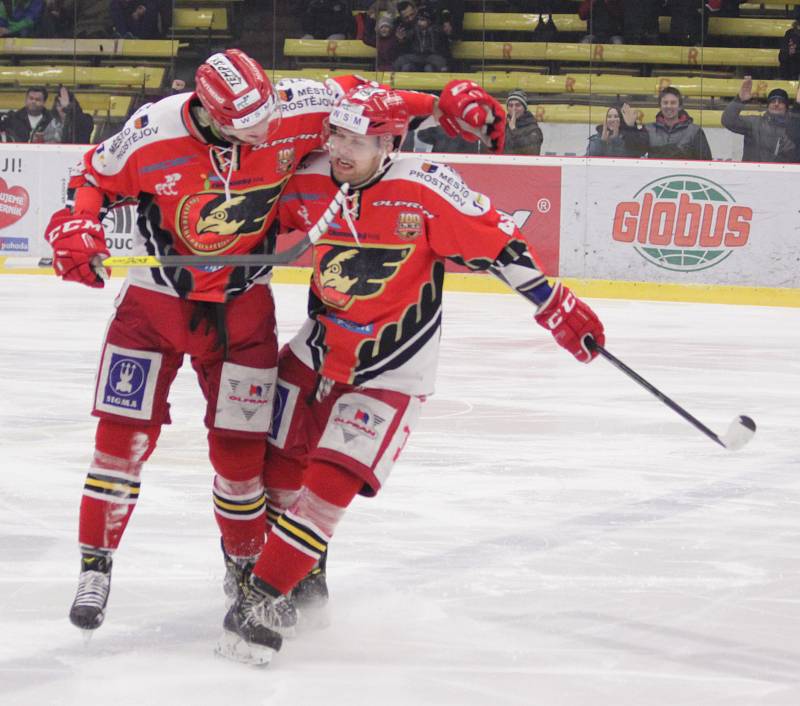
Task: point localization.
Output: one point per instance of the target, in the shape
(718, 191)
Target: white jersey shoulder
(442, 180)
(151, 123)
(300, 96)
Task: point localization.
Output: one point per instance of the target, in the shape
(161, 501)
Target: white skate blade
(233, 647)
(739, 433)
(86, 636)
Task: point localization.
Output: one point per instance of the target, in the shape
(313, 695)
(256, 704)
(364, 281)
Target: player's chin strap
(349, 209)
(228, 157)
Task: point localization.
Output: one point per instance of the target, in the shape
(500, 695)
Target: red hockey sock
(112, 485)
(238, 492)
(283, 478)
(302, 533)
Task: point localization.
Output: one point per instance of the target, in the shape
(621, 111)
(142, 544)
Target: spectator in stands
(789, 54)
(425, 48)
(28, 123)
(386, 44)
(673, 135)
(3, 125)
(367, 22)
(69, 124)
(688, 22)
(793, 126)
(765, 138)
(406, 23)
(728, 8)
(523, 134)
(607, 140)
(19, 18)
(603, 20)
(328, 19)
(440, 141)
(448, 14)
(59, 19)
(141, 19)
(640, 21)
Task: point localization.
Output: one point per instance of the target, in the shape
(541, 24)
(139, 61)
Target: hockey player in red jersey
(352, 381)
(207, 169)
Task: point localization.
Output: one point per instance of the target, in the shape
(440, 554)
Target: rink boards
(640, 229)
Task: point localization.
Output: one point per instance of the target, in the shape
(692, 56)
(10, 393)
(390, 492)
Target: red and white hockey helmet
(371, 110)
(235, 91)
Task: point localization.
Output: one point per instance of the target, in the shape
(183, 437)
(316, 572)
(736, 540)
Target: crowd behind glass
(417, 36)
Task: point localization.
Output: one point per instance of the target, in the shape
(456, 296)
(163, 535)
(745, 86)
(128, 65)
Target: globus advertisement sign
(683, 223)
(677, 222)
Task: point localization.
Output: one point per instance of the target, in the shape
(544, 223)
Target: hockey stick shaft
(652, 389)
(257, 259)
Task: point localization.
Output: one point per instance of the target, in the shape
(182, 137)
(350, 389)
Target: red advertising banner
(531, 195)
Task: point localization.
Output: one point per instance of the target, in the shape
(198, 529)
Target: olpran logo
(683, 223)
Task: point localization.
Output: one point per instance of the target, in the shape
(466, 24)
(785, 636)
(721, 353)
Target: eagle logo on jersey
(210, 223)
(343, 274)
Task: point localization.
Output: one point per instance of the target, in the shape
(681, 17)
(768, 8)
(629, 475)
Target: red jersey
(199, 195)
(375, 302)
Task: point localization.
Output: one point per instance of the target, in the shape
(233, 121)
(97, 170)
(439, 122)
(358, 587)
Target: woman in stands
(607, 141)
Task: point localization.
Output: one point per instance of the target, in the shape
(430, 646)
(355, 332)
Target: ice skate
(254, 627)
(237, 572)
(94, 583)
(310, 597)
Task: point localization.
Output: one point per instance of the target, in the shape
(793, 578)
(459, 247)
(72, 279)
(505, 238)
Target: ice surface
(552, 536)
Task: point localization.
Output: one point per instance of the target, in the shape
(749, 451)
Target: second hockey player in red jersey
(352, 381)
(206, 169)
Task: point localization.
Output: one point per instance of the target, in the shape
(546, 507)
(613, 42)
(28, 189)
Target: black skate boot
(254, 627)
(310, 597)
(237, 572)
(94, 583)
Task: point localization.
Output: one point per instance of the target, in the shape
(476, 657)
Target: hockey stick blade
(254, 259)
(739, 432)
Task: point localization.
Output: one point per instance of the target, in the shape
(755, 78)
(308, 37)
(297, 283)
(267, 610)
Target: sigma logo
(683, 223)
(227, 71)
(167, 187)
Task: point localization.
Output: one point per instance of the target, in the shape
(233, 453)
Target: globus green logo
(683, 223)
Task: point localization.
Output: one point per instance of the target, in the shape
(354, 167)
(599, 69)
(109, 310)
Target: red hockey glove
(76, 239)
(468, 110)
(571, 321)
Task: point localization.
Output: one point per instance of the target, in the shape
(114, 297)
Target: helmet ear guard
(235, 91)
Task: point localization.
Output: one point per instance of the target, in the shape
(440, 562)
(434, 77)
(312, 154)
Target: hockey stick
(155, 261)
(739, 433)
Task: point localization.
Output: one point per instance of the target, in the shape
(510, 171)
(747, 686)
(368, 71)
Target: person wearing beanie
(523, 134)
(765, 138)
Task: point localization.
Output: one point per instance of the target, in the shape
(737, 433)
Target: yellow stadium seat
(567, 51)
(594, 115)
(725, 26)
(151, 48)
(132, 77)
(200, 19)
(94, 103)
(502, 82)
